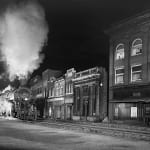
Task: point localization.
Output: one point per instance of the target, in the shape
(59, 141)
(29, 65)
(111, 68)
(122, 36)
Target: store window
(133, 112)
(78, 98)
(125, 111)
(119, 52)
(119, 75)
(136, 47)
(136, 73)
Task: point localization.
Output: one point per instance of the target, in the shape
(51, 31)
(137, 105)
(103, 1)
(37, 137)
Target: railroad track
(134, 134)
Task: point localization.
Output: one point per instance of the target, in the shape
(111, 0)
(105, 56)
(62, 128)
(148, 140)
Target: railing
(86, 72)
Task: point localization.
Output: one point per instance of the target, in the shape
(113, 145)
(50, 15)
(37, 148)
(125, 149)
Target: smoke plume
(23, 33)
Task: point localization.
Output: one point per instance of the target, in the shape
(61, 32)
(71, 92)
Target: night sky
(76, 38)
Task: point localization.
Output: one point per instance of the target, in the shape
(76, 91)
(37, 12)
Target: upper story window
(136, 47)
(69, 88)
(119, 75)
(119, 52)
(136, 73)
(85, 90)
(51, 91)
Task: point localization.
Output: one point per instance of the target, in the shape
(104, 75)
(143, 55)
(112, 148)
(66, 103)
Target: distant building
(57, 100)
(70, 74)
(46, 75)
(90, 95)
(76, 96)
(51, 96)
(129, 69)
(37, 96)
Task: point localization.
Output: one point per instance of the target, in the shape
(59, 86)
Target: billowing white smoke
(23, 33)
(5, 107)
(8, 88)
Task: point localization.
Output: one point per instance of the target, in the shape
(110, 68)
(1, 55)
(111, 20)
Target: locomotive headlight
(26, 99)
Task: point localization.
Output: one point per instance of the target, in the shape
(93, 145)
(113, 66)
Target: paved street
(18, 135)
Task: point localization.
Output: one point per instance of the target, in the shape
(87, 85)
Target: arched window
(119, 52)
(136, 47)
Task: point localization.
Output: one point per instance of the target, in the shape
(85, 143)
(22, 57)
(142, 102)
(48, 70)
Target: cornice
(137, 21)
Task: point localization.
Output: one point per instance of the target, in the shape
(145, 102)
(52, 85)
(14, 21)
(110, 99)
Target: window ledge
(136, 81)
(137, 54)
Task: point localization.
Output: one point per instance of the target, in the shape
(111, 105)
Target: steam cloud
(23, 33)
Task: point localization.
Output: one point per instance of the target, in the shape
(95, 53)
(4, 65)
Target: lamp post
(86, 104)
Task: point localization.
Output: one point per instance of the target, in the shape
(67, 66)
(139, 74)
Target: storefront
(57, 108)
(131, 104)
(123, 111)
(68, 107)
(90, 95)
(40, 105)
(50, 107)
(138, 111)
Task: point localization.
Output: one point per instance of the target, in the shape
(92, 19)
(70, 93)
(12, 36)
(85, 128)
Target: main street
(18, 135)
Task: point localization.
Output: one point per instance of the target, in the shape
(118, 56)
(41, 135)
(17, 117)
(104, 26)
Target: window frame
(132, 66)
(117, 68)
(117, 51)
(135, 47)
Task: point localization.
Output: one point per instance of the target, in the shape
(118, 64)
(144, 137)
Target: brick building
(90, 95)
(129, 68)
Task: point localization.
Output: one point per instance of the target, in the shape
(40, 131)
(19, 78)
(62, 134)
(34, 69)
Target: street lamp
(101, 84)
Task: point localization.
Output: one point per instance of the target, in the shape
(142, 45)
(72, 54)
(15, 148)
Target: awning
(145, 100)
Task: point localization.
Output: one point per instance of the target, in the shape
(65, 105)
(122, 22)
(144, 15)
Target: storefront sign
(136, 94)
(58, 103)
(68, 100)
(58, 99)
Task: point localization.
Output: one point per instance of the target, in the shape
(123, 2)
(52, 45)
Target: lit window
(119, 52)
(136, 47)
(133, 112)
(136, 73)
(119, 75)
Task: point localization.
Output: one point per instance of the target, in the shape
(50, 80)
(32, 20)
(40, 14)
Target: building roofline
(134, 19)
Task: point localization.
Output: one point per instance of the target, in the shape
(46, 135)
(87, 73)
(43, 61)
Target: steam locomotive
(24, 108)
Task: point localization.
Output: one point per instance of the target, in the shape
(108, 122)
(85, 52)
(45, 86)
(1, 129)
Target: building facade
(77, 96)
(70, 74)
(51, 97)
(58, 100)
(129, 69)
(37, 95)
(90, 95)
(45, 78)
(46, 75)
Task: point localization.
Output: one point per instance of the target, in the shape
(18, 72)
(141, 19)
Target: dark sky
(76, 37)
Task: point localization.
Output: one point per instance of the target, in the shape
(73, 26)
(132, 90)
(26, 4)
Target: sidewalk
(133, 132)
(128, 126)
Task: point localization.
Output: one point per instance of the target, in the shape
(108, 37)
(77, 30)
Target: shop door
(58, 112)
(50, 111)
(62, 112)
(85, 109)
(69, 112)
